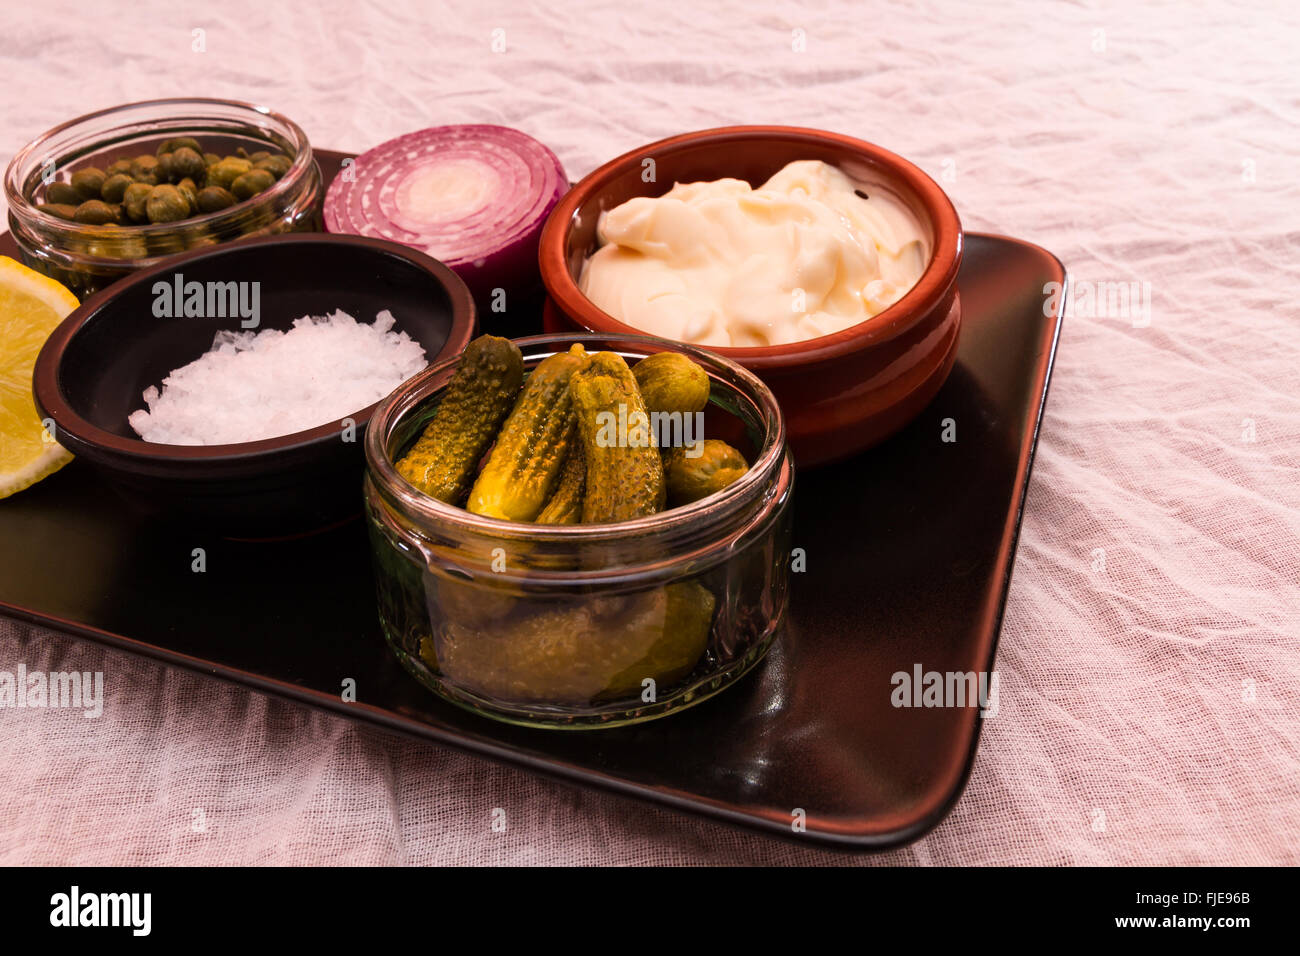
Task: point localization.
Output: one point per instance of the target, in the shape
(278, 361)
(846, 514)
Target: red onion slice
(474, 197)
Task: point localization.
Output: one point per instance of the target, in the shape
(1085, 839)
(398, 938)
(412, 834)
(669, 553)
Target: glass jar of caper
(112, 192)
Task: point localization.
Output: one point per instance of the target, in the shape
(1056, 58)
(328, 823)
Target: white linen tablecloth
(1149, 662)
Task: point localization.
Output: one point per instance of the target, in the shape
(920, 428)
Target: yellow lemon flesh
(31, 305)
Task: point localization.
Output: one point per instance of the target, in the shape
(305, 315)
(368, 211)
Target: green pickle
(493, 630)
(713, 467)
(682, 641)
(625, 476)
(671, 383)
(565, 504)
(481, 394)
(591, 650)
(528, 458)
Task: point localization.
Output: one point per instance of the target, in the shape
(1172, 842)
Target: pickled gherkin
(589, 650)
(526, 463)
(565, 503)
(671, 383)
(688, 618)
(482, 392)
(625, 477)
(544, 625)
(693, 472)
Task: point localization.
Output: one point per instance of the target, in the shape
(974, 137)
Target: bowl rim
(95, 442)
(26, 211)
(936, 281)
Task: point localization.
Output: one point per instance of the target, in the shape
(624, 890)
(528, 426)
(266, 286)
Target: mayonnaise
(721, 263)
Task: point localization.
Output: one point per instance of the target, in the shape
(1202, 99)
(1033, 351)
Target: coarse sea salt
(254, 385)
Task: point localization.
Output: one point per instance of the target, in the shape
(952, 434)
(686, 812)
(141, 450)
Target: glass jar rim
(27, 213)
(735, 496)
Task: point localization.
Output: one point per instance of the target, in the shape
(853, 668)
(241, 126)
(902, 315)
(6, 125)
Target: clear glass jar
(87, 258)
(584, 625)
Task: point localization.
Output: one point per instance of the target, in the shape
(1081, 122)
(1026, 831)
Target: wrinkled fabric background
(1150, 660)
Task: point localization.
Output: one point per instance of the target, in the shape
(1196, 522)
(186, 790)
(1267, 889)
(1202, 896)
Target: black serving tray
(909, 550)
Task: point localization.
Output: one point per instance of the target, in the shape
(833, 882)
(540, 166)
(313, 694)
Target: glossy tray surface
(908, 547)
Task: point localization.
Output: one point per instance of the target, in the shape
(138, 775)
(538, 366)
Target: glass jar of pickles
(107, 161)
(584, 625)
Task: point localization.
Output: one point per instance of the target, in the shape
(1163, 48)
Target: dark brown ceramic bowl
(840, 393)
(91, 372)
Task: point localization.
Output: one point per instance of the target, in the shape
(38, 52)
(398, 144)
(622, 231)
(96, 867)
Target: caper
(214, 198)
(166, 204)
(277, 166)
(134, 199)
(88, 182)
(95, 212)
(190, 192)
(115, 187)
(62, 193)
(186, 162)
(227, 171)
(178, 142)
(61, 209)
(139, 189)
(251, 183)
(145, 169)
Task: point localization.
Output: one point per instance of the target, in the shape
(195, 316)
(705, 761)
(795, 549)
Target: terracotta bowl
(841, 393)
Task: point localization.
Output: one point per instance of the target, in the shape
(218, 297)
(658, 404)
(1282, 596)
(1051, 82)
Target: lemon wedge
(31, 305)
